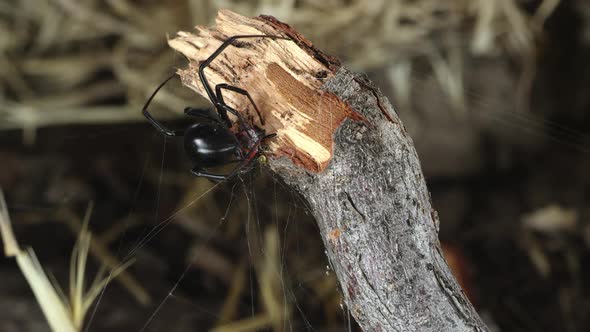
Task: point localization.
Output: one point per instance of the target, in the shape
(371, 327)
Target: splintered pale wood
(283, 78)
(343, 148)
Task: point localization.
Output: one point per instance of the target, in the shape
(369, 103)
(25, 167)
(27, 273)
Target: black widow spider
(211, 143)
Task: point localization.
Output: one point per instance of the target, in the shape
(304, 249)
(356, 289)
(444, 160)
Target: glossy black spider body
(210, 142)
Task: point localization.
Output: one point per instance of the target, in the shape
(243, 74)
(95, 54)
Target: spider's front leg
(213, 97)
(157, 124)
(198, 171)
(227, 108)
(241, 91)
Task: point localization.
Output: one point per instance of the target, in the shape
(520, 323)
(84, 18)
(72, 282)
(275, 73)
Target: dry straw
(58, 58)
(63, 313)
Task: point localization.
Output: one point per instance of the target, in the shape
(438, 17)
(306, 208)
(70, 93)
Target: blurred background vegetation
(493, 93)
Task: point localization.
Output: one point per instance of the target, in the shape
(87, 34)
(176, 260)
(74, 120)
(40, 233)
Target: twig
(342, 147)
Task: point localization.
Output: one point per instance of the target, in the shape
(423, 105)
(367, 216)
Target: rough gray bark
(377, 223)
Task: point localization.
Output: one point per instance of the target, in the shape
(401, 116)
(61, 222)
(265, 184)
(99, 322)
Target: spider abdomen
(210, 144)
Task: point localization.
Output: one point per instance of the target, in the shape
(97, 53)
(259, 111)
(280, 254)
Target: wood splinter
(284, 80)
(340, 144)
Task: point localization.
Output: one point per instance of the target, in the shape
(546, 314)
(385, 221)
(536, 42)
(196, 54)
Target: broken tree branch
(340, 144)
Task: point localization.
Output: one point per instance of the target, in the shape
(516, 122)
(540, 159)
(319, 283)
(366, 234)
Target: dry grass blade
(54, 307)
(272, 292)
(271, 280)
(63, 314)
(56, 311)
(254, 323)
(231, 304)
(101, 252)
(11, 248)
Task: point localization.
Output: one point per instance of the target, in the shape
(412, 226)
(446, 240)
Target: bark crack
(458, 301)
(382, 304)
(372, 89)
(354, 206)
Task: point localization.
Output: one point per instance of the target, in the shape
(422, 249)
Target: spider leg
(243, 92)
(207, 62)
(252, 153)
(246, 128)
(157, 124)
(197, 171)
(242, 122)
